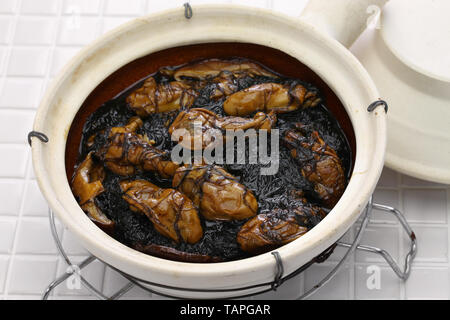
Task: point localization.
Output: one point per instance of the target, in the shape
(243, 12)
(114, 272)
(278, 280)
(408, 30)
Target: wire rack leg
(352, 247)
(75, 267)
(401, 273)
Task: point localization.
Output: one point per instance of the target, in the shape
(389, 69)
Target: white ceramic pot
(224, 23)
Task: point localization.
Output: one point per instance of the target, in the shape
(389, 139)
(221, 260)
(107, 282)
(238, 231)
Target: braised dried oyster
(155, 97)
(318, 163)
(171, 212)
(207, 69)
(215, 192)
(270, 96)
(87, 185)
(208, 124)
(125, 152)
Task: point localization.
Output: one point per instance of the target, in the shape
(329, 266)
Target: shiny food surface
(201, 213)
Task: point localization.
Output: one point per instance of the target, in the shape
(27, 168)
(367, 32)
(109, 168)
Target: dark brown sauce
(332, 122)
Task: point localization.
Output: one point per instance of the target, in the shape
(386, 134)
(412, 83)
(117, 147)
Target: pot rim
(111, 251)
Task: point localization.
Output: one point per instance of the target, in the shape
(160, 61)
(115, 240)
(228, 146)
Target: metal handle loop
(187, 10)
(377, 103)
(41, 136)
(278, 281)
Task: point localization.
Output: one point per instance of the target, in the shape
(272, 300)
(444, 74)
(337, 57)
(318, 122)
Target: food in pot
(216, 192)
(318, 162)
(87, 181)
(211, 68)
(125, 151)
(171, 212)
(128, 184)
(274, 228)
(208, 124)
(268, 231)
(98, 217)
(86, 186)
(270, 97)
(174, 254)
(155, 97)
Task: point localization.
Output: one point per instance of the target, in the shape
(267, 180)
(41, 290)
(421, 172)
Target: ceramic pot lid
(407, 57)
(418, 33)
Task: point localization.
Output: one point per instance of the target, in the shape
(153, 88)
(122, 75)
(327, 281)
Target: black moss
(271, 191)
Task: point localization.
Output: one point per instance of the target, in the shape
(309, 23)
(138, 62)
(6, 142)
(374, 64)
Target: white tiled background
(36, 38)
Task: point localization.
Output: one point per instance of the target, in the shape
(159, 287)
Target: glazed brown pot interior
(131, 73)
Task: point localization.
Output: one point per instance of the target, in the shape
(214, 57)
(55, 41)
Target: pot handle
(344, 20)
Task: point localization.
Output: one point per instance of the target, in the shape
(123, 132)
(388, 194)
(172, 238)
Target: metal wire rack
(279, 279)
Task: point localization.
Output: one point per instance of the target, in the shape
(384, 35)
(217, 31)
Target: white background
(36, 38)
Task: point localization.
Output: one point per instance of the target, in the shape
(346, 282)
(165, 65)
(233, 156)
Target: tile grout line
(46, 86)
(402, 209)
(27, 177)
(18, 224)
(16, 15)
(448, 232)
(351, 266)
(99, 15)
(10, 44)
(400, 246)
(100, 26)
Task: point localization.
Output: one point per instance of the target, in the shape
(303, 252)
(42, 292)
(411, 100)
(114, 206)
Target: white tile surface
(15, 125)
(7, 6)
(127, 8)
(31, 275)
(34, 237)
(28, 62)
(71, 245)
(367, 286)
(10, 194)
(39, 7)
(3, 51)
(433, 243)
(78, 30)
(81, 7)
(337, 288)
(428, 283)
(35, 204)
(35, 30)
(110, 23)
(4, 262)
(155, 5)
(12, 93)
(5, 29)
(114, 282)
(289, 7)
(7, 230)
(425, 205)
(253, 3)
(14, 162)
(37, 37)
(93, 273)
(414, 182)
